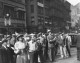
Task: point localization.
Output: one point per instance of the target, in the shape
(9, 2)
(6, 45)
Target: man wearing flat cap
(32, 48)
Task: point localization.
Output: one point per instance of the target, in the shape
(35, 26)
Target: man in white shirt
(68, 39)
(32, 49)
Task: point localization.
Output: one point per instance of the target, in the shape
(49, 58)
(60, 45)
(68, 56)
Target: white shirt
(69, 38)
(32, 46)
(18, 46)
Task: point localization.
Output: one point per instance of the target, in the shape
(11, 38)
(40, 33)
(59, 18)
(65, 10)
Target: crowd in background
(34, 48)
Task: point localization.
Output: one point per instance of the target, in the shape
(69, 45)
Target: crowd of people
(34, 48)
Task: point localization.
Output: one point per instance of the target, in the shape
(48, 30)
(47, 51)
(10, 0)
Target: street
(73, 59)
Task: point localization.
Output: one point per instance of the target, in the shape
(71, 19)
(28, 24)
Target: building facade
(17, 15)
(47, 14)
(60, 14)
(36, 15)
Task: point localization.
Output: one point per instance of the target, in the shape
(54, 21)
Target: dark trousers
(14, 58)
(56, 49)
(51, 53)
(31, 54)
(38, 54)
(78, 53)
(44, 53)
(68, 50)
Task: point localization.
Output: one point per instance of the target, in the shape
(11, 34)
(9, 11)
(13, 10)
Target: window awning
(22, 9)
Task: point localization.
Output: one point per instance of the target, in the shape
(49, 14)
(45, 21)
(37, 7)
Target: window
(46, 11)
(32, 20)
(40, 10)
(46, 19)
(32, 23)
(32, 8)
(21, 15)
(40, 19)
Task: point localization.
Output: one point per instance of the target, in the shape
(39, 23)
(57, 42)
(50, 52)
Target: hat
(39, 34)
(8, 36)
(13, 34)
(48, 31)
(19, 36)
(4, 41)
(32, 34)
(28, 37)
(25, 34)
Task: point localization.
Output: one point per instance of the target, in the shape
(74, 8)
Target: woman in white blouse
(20, 50)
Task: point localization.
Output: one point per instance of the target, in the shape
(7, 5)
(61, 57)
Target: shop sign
(40, 4)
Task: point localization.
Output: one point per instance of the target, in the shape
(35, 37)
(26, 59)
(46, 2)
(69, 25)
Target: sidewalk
(69, 60)
(73, 59)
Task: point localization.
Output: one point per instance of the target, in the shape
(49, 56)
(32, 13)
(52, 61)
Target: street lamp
(7, 15)
(7, 22)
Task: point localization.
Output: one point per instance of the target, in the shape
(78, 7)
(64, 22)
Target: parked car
(73, 38)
